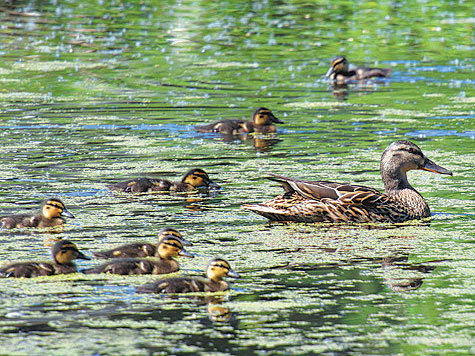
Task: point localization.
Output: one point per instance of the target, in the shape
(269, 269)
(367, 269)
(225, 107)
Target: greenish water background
(94, 92)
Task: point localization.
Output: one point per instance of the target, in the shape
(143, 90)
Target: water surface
(94, 93)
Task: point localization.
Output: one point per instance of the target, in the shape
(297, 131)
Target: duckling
(192, 180)
(141, 249)
(169, 247)
(216, 271)
(63, 253)
(52, 213)
(323, 201)
(262, 119)
(339, 71)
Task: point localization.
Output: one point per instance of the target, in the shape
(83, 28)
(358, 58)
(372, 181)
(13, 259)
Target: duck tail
(268, 212)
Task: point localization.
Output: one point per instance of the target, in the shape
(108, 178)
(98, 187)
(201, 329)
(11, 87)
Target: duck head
(219, 268)
(171, 246)
(64, 252)
(339, 64)
(197, 178)
(168, 231)
(402, 156)
(263, 116)
(54, 208)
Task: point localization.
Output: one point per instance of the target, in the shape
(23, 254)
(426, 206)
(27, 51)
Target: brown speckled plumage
(194, 179)
(168, 247)
(51, 214)
(322, 201)
(63, 253)
(262, 122)
(140, 249)
(339, 71)
(216, 271)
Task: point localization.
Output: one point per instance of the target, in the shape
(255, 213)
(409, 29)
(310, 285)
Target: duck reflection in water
(402, 276)
(261, 131)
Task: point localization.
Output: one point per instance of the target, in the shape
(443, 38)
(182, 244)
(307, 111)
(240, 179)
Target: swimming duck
(216, 271)
(169, 247)
(339, 71)
(63, 253)
(52, 213)
(322, 201)
(262, 122)
(192, 180)
(141, 249)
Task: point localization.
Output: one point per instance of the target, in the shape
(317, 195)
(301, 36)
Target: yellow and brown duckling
(216, 271)
(63, 254)
(322, 201)
(262, 122)
(168, 248)
(195, 179)
(339, 71)
(141, 249)
(52, 213)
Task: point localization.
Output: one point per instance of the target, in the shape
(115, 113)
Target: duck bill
(67, 214)
(432, 167)
(330, 72)
(233, 274)
(276, 120)
(185, 253)
(82, 256)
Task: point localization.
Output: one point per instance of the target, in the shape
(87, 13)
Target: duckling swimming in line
(169, 247)
(193, 180)
(141, 249)
(262, 122)
(216, 271)
(339, 71)
(322, 201)
(52, 213)
(63, 253)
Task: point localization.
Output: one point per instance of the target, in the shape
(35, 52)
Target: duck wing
(229, 127)
(126, 251)
(27, 270)
(318, 190)
(173, 285)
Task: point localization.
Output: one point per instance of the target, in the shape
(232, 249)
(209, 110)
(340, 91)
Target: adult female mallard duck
(193, 180)
(216, 271)
(169, 247)
(308, 201)
(141, 249)
(262, 122)
(63, 253)
(52, 213)
(339, 71)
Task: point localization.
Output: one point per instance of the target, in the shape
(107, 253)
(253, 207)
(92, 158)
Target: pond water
(95, 92)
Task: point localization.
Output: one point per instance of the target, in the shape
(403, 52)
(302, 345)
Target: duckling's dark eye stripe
(173, 244)
(222, 266)
(68, 248)
(56, 205)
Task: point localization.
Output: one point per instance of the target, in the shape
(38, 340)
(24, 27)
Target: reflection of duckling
(339, 71)
(169, 247)
(216, 271)
(63, 253)
(52, 213)
(314, 201)
(218, 313)
(194, 179)
(141, 249)
(262, 122)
